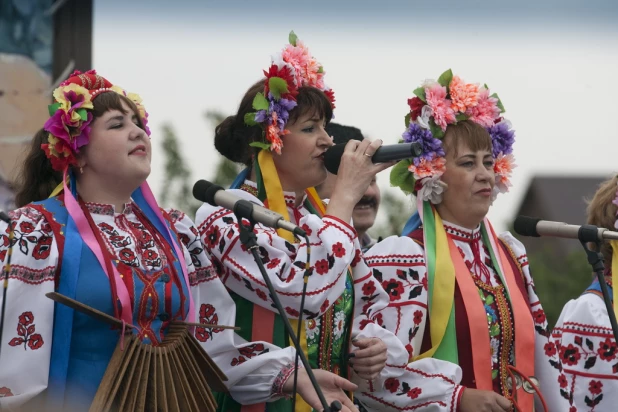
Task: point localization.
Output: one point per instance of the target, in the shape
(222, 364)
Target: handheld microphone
(4, 217)
(530, 226)
(388, 153)
(215, 195)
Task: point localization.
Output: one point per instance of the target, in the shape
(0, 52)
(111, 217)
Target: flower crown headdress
(291, 68)
(71, 115)
(436, 105)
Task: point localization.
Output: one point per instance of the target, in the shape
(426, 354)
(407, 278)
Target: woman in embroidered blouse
(150, 260)
(341, 312)
(457, 292)
(580, 369)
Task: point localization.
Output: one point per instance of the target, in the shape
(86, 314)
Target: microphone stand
(243, 210)
(6, 272)
(590, 234)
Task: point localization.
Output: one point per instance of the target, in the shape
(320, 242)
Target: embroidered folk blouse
(142, 257)
(399, 265)
(334, 248)
(581, 369)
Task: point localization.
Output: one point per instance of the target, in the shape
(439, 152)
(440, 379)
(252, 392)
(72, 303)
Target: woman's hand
(370, 359)
(356, 171)
(475, 400)
(333, 387)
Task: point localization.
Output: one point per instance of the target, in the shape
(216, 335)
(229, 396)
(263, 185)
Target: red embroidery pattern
(209, 315)
(25, 330)
(249, 352)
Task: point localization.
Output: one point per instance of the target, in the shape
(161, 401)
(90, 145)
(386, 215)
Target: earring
(81, 170)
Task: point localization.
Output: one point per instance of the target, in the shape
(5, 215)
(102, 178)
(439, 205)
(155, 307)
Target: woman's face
(470, 179)
(119, 150)
(301, 163)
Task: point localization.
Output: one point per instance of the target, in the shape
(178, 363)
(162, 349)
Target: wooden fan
(175, 376)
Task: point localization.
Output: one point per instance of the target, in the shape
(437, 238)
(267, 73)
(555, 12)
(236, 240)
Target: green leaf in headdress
(260, 102)
(293, 37)
(401, 177)
(261, 145)
(82, 114)
(250, 119)
(407, 120)
(277, 87)
(420, 93)
(53, 108)
(436, 130)
(445, 78)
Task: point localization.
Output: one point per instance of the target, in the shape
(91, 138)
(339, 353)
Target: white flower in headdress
(423, 119)
(432, 189)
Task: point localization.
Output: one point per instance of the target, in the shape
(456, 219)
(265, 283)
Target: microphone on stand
(388, 153)
(215, 195)
(531, 226)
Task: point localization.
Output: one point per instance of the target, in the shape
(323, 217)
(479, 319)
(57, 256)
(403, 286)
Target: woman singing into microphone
(279, 134)
(457, 291)
(101, 239)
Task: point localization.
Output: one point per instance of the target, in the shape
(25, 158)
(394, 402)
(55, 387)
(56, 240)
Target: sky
(552, 62)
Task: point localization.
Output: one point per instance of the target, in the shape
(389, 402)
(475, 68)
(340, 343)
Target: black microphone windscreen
(526, 226)
(332, 158)
(204, 191)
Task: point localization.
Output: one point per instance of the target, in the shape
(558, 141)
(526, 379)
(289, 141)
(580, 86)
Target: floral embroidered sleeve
(396, 289)
(28, 318)
(581, 365)
(254, 369)
(332, 250)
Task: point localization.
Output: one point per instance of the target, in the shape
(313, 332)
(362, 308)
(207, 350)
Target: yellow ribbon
(57, 190)
(443, 289)
(276, 203)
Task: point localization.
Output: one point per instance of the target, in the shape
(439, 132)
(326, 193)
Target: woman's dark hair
(38, 179)
(233, 136)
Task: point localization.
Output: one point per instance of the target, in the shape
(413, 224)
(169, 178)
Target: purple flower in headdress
(281, 107)
(431, 146)
(75, 133)
(502, 138)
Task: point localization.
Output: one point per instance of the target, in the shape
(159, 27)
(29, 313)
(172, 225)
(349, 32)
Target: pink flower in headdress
(299, 58)
(440, 106)
(463, 95)
(503, 168)
(486, 111)
(428, 168)
(75, 133)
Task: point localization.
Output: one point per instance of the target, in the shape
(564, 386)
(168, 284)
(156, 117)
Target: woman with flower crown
(581, 369)
(457, 291)
(100, 239)
(278, 133)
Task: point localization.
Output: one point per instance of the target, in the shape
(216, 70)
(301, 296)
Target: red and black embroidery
(26, 331)
(249, 352)
(208, 315)
(394, 386)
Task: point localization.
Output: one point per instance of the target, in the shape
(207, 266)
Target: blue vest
(83, 346)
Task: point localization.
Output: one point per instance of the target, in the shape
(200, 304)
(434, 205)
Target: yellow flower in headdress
(72, 97)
